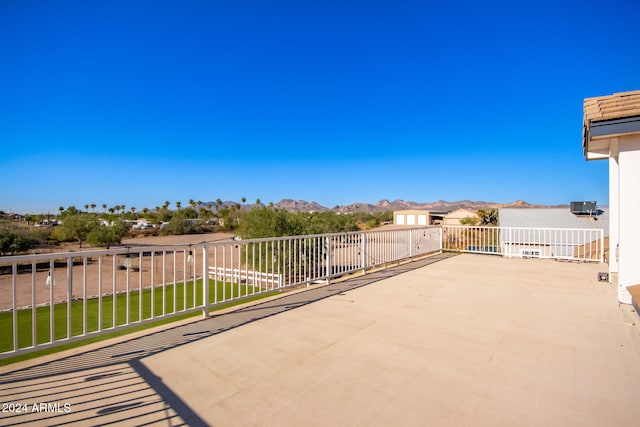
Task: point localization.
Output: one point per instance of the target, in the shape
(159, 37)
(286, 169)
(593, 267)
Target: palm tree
(86, 207)
(178, 205)
(104, 207)
(258, 202)
(93, 207)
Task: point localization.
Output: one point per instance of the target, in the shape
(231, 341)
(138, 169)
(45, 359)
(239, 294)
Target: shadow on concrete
(119, 364)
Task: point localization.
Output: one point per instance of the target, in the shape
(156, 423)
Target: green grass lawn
(140, 308)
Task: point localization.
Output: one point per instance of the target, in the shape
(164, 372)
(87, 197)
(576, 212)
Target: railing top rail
(495, 227)
(341, 233)
(135, 249)
(123, 250)
(467, 226)
(537, 242)
(554, 229)
(95, 252)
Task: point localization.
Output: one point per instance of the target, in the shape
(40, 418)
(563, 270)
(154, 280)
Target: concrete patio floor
(467, 340)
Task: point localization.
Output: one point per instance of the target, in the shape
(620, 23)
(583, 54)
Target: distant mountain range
(396, 205)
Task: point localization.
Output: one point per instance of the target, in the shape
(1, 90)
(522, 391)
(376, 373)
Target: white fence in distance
(253, 278)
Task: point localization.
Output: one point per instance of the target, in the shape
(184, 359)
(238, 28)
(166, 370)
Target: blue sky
(142, 102)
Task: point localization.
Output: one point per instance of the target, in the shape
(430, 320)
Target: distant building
(454, 217)
(437, 217)
(411, 217)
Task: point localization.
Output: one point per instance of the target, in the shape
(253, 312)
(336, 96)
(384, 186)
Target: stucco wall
(629, 210)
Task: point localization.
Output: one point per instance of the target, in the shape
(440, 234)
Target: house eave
(615, 127)
(597, 135)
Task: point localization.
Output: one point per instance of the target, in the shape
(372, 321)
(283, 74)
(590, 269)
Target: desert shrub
(372, 223)
(107, 235)
(269, 222)
(469, 220)
(178, 225)
(13, 241)
(76, 227)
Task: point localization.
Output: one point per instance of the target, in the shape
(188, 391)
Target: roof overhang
(606, 118)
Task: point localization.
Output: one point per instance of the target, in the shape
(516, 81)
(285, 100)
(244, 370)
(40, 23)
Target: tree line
(109, 227)
(263, 221)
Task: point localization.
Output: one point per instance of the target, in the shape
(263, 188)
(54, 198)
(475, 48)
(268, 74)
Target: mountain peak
(398, 204)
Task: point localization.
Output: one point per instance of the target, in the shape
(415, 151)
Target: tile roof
(616, 106)
(622, 105)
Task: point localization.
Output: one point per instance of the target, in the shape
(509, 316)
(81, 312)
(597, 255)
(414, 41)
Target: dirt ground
(177, 240)
(87, 280)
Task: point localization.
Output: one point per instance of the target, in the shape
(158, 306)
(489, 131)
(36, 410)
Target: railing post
(602, 246)
(69, 293)
(51, 310)
(14, 305)
(363, 248)
(34, 321)
(127, 265)
(410, 244)
(205, 280)
(328, 264)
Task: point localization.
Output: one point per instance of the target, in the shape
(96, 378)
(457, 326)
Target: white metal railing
(555, 243)
(53, 299)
